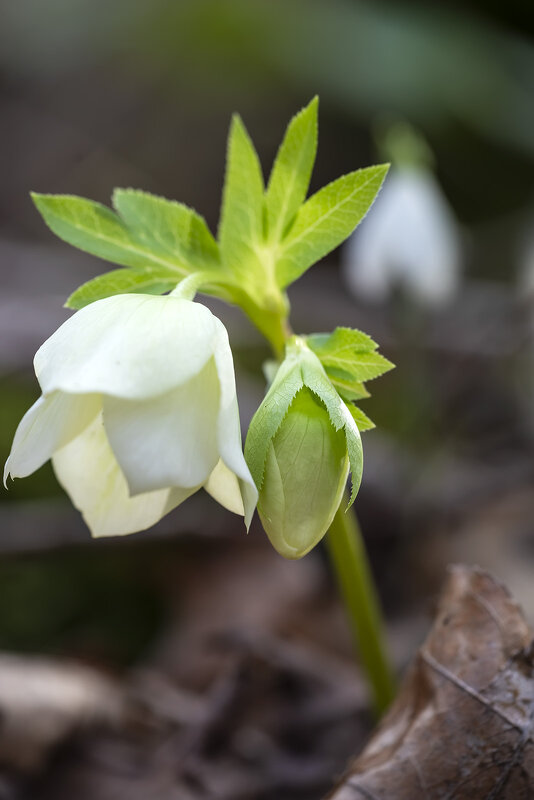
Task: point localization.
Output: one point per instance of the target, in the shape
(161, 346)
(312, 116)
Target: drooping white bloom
(138, 411)
(410, 237)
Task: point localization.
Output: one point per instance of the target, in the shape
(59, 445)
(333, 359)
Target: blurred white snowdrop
(526, 266)
(138, 411)
(410, 237)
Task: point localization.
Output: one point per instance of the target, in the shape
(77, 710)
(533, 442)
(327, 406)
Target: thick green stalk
(349, 559)
(350, 563)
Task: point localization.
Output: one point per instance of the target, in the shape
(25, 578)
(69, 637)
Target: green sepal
(268, 418)
(316, 379)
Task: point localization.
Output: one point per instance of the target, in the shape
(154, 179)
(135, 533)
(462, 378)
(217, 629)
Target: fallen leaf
(461, 727)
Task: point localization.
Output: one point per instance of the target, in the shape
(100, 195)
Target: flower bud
(300, 446)
(306, 470)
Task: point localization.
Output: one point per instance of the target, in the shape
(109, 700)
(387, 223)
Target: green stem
(189, 286)
(273, 326)
(349, 559)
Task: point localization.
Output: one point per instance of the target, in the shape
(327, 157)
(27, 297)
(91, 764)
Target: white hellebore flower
(410, 237)
(138, 411)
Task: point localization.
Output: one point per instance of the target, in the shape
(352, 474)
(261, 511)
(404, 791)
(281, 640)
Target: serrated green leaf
(160, 223)
(347, 387)
(95, 229)
(361, 366)
(340, 341)
(202, 242)
(122, 281)
(362, 420)
(241, 225)
(351, 351)
(326, 220)
(166, 227)
(291, 172)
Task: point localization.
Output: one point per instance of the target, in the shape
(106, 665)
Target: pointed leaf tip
(326, 219)
(291, 172)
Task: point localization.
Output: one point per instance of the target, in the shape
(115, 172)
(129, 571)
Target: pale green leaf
(291, 172)
(341, 340)
(91, 227)
(361, 366)
(362, 420)
(351, 351)
(121, 281)
(95, 229)
(241, 224)
(166, 227)
(326, 220)
(346, 386)
(202, 243)
(160, 224)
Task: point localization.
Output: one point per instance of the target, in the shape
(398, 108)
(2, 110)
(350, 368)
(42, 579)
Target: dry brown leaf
(461, 727)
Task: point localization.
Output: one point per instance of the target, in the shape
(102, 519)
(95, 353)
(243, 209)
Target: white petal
(228, 427)
(365, 270)
(169, 440)
(89, 473)
(132, 346)
(48, 425)
(224, 487)
(428, 252)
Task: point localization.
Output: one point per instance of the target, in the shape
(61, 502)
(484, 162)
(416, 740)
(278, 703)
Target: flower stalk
(351, 566)
(356, 585)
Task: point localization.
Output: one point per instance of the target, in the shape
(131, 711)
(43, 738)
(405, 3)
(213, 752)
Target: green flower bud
(306, 470)
(301, 444)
